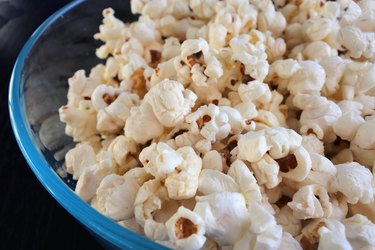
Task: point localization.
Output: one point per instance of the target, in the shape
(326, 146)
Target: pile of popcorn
(238, 124)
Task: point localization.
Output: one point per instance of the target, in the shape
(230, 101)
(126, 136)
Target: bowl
(63, 44)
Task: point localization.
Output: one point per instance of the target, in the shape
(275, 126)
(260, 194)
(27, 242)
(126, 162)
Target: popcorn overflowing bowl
(208, 124)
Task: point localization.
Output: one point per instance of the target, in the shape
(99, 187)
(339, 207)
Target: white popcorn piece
(288, 242)
(275, 48)
(252, 146)
(225, 216)
(210, 122)
(212, 181)
(150, 197)
(266, 171)
(281, 141)
(107, 197)
(124, 152)
(334, 67)
(332, 236)
(363, 138)
(246, 182)
(138, 174)
(317, 28)
(288, 221)
(103, 96)
(252, 57)
(318, 115)
(203, 9)
(139, 117)
(357, 79)
(348, 125)
(309, 78)
(312, 144)
(170, 102)
(81, 86)
(360, 232)
(295, 166)
(235, 119)
(322, 171)
(159, 159)
(91, 177)
(306, 205)
(155, 230)
(354, 181)
(186, 229)
(317, 51)
(212, 160)
(340, 207)
(255, 91)
(80, 121)
(263, 232)
(79, 158)
(183, 182)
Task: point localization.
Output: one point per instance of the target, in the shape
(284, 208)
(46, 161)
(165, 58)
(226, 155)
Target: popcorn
(266, 171)
(306, 205)
(212, 181)
(354, 181)
(359, 232)
(155, 230)
(80, 121)
(252, 57)
(91, 176)
(288, 242)
(312, 144)
(149, 199)
(183, 182)
(332, 235)
(159, 159)
(288, 221)
(217, 124)
(225, 216)
(186, 229)
(252, 146)
(111, 187)
(322, 171)
(212, 160)
(263, 232)
(357, 79)
(209, 122)
(124, 152)
(317, 28)
(246, 182)
(318, 115)
(79, 158)
(309, 78)
(139, 116)
(170, 102)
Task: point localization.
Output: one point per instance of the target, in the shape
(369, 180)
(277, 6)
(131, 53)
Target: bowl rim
(102, 226)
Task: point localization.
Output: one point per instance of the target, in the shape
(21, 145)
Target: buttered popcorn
(235, 124)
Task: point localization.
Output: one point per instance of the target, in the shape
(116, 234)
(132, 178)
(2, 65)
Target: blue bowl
(38, 87)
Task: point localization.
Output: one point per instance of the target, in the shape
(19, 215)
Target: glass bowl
(63, 44)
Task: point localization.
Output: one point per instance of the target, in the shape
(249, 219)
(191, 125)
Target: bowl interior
(62, 45)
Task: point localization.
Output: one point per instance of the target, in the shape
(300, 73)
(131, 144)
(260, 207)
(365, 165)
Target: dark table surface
(29, 217)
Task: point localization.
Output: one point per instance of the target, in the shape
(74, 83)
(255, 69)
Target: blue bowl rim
(88, 216)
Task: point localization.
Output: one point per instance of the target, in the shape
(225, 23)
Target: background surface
(29, 217)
